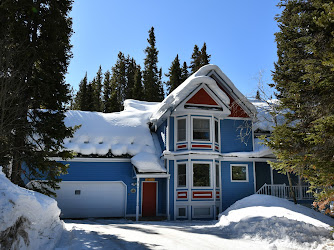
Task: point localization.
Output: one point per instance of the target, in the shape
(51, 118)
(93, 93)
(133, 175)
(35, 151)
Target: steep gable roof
(217, 81)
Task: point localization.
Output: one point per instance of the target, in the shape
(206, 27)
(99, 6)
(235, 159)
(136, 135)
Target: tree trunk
(292, 194)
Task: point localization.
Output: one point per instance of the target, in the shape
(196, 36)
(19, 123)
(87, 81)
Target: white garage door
(84, 199)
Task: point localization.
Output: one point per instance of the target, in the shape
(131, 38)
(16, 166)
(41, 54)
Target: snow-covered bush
(28, 220)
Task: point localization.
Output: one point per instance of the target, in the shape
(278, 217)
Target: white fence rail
(283, 191)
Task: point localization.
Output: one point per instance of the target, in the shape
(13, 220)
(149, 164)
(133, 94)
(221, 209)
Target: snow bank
(124, 132)
(276, 220)
(28, 220)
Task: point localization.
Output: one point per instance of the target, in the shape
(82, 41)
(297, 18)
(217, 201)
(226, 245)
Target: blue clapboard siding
(171, 134)
(263, 176)
(233, 191)
(230, 136)
(105, 171)
(161, 133)
(171, 189)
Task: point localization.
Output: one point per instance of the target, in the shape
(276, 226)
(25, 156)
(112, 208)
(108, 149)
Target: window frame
(177, 174)
(177, 212)
(218, 132)
(177, 129)
(239, 165)
(210, 128)
(217, 166)
(201, 216)
(210, 175)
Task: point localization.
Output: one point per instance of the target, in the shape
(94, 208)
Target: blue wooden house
(189, 157)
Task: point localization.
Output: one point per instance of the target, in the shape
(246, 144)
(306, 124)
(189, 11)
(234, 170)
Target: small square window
(239, 173)
(77, 192)
(182, 211)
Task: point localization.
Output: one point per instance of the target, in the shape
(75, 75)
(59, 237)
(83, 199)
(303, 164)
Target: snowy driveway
(124, 234)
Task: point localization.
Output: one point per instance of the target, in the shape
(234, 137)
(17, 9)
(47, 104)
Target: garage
(85, 199)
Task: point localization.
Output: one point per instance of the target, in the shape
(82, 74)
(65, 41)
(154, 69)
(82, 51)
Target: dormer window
(201, 129)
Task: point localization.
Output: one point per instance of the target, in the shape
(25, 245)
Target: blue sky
(239, 35)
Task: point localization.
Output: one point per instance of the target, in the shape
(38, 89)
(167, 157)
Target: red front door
(149, 199)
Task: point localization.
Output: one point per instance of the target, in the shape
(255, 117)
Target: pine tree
(174, 75)
(43, 29)
(151, 72)
(184, 72)
(130, 77)
(204, 56)
(107, 92)
(97, 89)
(304, 83)
(89, 101)
(161, 86)
(195, 62)
(81, 96)
(118, 83)
(138, 91)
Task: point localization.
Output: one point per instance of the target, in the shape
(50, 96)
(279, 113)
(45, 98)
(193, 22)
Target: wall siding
(161, 133)
(233, 191)
(229, 136)
(171, 189)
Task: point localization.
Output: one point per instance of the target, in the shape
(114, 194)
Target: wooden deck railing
(283, 191)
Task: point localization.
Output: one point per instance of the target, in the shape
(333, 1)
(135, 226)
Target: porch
(283, 191)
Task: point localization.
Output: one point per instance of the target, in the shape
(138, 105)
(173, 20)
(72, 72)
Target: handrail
(283, 191)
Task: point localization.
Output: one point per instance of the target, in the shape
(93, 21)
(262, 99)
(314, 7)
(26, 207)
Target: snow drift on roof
(124, 132)
(189, 85)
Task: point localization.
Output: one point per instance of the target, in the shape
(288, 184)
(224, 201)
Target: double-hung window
(181, 175)
(181, 129)
(201, 129)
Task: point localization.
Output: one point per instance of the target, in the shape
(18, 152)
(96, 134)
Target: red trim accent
(217, 147)
(236, 110)
(182, 197)
(202, 97)
(217, 195)
(201, 146)
(182, 146)
(202, 194)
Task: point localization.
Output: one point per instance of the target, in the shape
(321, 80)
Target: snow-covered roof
(125, 132)
(189, 85)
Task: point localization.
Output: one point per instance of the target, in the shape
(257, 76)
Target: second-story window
(181, 129)
(201, 129)
(216, 132)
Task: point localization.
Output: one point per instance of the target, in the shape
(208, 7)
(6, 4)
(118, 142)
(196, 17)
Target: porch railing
(283, 191)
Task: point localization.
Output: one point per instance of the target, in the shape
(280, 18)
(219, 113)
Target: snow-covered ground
(30, 220)
(255, 222)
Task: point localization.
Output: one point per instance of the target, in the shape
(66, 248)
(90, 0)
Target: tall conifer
(304, 83)
(138, 90)
(174, 75)
(184, 72)
(151, 73)
(195, 62)
(43, 29)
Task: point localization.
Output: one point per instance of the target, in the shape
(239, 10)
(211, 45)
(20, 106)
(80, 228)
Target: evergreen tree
(160, 86)
(304, 83)
(43, 29)
(174, 75)
(89, 101)
(184, 72)
(151, 72)
(195, 62)
(81, 96)
(138, 91)
(118, 83)
(97, 89)
(107, 92)
(204, 57)
(130, 77)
